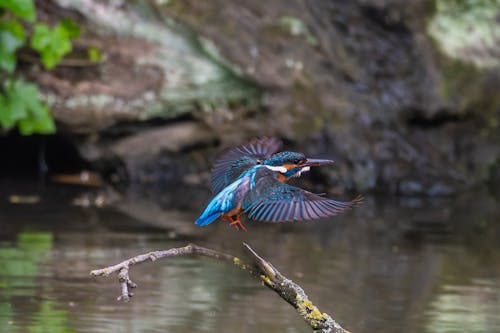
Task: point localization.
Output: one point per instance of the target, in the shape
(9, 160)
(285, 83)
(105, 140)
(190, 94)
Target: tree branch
(257, 267)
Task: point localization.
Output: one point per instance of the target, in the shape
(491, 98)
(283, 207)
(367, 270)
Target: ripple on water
(466, 308)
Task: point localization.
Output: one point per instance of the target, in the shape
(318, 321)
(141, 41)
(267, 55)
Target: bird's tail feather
(221, 203)
(206, 219)
(211, 213)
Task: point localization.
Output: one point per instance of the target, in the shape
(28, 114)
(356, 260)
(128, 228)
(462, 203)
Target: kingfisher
(252, 179)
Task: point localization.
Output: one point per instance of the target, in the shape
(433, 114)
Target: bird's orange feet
(237, 224)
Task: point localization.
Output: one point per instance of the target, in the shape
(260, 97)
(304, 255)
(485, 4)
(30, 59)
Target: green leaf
(41, 36)
(42, 124)
(11, 34)
(61, 40)
(6, 118)
(13, 111)
(95, 54)
(20, 104)
(12, 108)
(26, 127)
(53, 44)
(71, 27)
(7, 61)
(11, 38)
(24, 9)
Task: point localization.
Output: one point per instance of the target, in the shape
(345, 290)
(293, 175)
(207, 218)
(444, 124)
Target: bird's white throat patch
(304, 169)
(281, 169)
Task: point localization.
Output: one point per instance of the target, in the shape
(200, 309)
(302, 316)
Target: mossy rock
(151, 67)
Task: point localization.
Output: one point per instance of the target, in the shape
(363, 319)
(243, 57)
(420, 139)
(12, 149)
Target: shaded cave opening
(36, 157)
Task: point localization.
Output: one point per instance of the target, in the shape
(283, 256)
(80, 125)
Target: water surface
(394, 265)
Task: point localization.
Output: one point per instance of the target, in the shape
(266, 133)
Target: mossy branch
(257, 267)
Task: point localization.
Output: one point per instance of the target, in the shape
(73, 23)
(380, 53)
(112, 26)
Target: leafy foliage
(53, 44)
(24, 9)
(11, 39)
(20, 103)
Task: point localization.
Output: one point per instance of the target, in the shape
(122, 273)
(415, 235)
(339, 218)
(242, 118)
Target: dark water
(393, 265)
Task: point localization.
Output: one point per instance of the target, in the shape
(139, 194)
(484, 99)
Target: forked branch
(256, 267)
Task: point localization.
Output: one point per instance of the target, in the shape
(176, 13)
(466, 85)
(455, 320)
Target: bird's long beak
(317, 162)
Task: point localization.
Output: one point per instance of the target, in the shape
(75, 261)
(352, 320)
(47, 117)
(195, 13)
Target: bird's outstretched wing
(275, 201)
(233, 161)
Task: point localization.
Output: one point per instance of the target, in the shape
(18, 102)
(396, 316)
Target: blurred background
(111, 113)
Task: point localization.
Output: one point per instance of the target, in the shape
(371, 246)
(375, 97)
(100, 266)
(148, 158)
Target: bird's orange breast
(282, 178)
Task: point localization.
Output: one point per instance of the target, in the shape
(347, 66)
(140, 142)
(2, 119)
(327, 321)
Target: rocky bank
(402, 94)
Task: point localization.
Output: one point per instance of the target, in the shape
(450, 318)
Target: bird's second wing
(233, 161)
(273, 201)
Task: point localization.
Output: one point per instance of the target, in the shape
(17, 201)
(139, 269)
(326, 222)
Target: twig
(258, 267)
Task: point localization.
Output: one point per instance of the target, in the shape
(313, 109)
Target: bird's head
(292, 164)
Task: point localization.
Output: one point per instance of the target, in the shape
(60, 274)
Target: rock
(468, 31)
(154, 155)
(153, 69)
(376, 85)
(152, 145)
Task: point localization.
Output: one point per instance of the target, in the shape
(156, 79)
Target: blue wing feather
(274, 201)
(234, 161)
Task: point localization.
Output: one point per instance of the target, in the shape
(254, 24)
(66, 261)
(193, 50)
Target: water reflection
(394, 265)
(20, 267)
(469, 308)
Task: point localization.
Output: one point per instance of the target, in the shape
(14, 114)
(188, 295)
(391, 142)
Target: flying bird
(251, 179)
